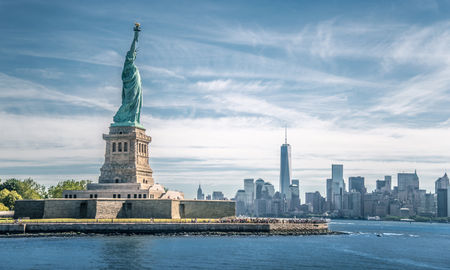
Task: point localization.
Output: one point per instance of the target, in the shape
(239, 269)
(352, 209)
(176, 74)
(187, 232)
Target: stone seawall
(122, 208)
(163, 228)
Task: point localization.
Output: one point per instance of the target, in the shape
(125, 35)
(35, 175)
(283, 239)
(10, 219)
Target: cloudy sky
(362, 84)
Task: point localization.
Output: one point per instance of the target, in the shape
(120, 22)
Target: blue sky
(362, 84)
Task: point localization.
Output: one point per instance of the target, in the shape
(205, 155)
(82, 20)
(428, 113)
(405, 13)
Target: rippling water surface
(370, 245)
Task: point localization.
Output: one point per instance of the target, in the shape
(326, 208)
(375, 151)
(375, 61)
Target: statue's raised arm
(137, 29)
(130, 111)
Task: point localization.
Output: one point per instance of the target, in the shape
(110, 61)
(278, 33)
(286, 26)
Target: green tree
(27, 189)
(3, 207)
(9, 198)
(56, 191)
(3, 193)
(11, 184)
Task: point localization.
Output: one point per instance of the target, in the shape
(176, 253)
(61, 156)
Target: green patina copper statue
(129, 112)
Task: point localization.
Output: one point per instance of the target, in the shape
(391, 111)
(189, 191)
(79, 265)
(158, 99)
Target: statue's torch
(137, 27)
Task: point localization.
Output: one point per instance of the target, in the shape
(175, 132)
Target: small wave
(413, 235)
(392, 234)
(346, 232)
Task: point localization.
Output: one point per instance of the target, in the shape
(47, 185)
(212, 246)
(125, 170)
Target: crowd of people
(270, 220)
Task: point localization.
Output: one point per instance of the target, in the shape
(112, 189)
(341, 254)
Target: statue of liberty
(130, 111)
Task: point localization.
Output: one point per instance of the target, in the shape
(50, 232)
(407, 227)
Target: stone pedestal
(126, 172)
(126, 157)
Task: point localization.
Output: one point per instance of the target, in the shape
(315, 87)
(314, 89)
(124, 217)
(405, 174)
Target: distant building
(329, 193)
(249, 187)
(337, 187)
(200, 195)
(294, 198)
(380, 185)
(430, 204)
(407, 183)
(240, 202)
(441, 183)
(285, 168)
(394, 208)
(316, 201)
(443, 202)
(257, 199)
(352, 204)
(208, 197)
(384, 185)
(259, 184)
(388, 183)
(260, 207)
(408, 192)
(218, 195)
(278, 206)
(268, 191)
(356, 183)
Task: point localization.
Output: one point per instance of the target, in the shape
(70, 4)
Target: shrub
(9, 198)
(3, 207)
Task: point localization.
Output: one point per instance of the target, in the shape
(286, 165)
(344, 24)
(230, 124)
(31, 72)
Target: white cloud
(422, 45)
(46, 73)
(236, 86)
(158, 71)
(417, 95)
(220, 152)
(96, 56)
(13, 87)
(427, 52)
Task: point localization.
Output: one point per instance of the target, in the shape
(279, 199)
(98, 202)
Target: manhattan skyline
(366, 86)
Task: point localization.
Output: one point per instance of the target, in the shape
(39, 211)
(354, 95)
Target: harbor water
(368, 245)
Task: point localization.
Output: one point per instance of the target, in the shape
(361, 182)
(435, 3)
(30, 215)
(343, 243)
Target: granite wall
(59, 208)
(206, 209)
(122, 208)
(148, 209)
(29, 208)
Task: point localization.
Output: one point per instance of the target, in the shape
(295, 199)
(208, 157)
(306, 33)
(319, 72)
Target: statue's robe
(130, 110)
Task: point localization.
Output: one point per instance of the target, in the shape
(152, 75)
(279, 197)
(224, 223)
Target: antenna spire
(285, 134)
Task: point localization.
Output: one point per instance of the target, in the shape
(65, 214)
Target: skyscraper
(240, 202)
(316, 201)
(329, 193)
(218, 195)
(258, 188)
(200, 195)
(408, 184)
(407, 181)
(441, 183)
(356, 183)
(285, 167)
(337, 171)
(354, 203)
(337, 186)
(443, 202)
(268, 190)
(384, 185)
(388, 180)
(294, 197)
(249, 187)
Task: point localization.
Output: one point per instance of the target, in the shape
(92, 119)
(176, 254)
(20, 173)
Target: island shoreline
(166, 228)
